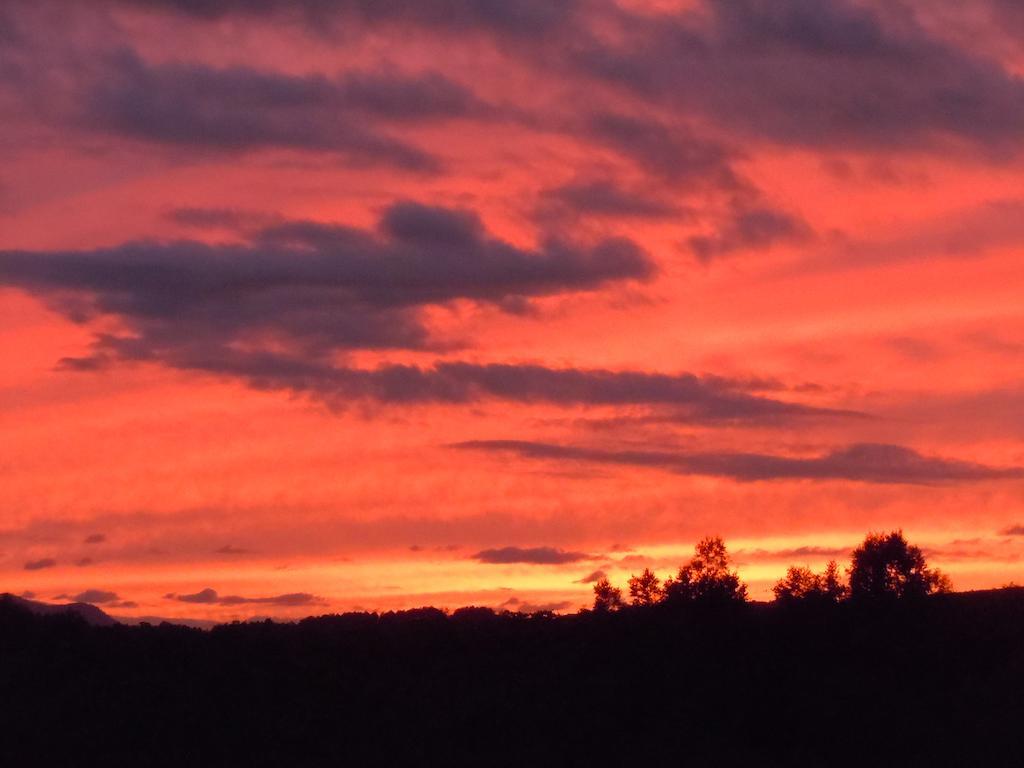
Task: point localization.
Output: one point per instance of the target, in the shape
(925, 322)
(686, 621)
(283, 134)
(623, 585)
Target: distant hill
(92, 615)
(97, 617)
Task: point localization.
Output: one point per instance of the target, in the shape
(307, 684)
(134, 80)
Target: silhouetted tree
(606, 597)
(833, 585)
(707, 577)
(799, 583)
(802, 584)
(645, 589)
(474, 614)
(886, 566)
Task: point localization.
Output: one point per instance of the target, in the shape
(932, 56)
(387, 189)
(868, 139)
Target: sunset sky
(308, 306)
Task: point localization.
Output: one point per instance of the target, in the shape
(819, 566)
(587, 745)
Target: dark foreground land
(938, 682)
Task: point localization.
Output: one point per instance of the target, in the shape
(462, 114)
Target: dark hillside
(937, 682)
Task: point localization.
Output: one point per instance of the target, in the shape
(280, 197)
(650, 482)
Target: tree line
(884, 567)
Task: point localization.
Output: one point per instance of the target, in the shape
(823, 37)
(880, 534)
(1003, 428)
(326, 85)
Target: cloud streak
(96, 596)
(38, 565)
(530, 555)
(605, 198)
(242, 108)
(690, 398)
(209, 596)
(809, 551)
(748, 227)
(522, 20)
(864, 462)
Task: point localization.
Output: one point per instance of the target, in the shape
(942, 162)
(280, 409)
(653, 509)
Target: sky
(317, 306)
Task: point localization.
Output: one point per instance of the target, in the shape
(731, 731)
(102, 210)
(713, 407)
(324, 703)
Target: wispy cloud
(867, 462)
(531, 555)
(209, 596)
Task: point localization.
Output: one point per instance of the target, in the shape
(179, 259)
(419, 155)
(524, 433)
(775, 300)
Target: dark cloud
(551, 607)
(1008, 15)
(813, 551)
(241, 108)
(864, 462)
(209, 596)
(84, 561)
(315, 289)
(812, 73)
(521, 606)
(837, 74)
(807, 551)
(592, 577)
(96, 596)
(402, 266)
(692, 398)
(37, 565)
(671, 152)
(438, 548)
(95, 538)
(222, 218)
(972, 549)
(1012, 530)
(82, 364)
(750, 227)
(805, 72)
(533, 555)
(305, 286)
(290, 599)
(187, 531)
(9, 32)
(572, 386)
(521, 20)
(230, 549)
(204, 597)
(399, 97)
(605, 198)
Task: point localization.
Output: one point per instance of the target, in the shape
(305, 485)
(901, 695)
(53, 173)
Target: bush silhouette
(802, 584)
